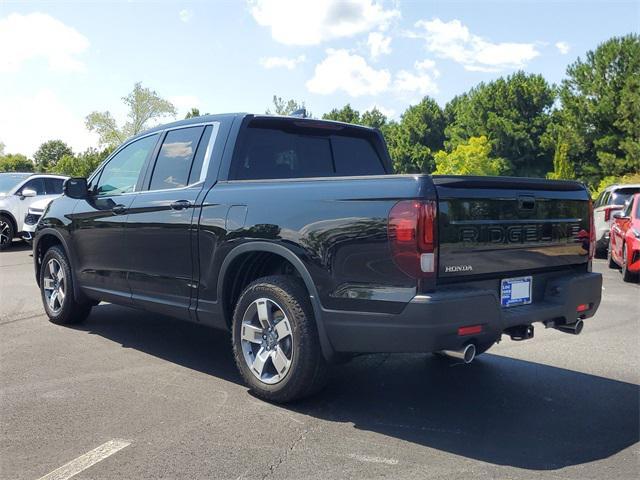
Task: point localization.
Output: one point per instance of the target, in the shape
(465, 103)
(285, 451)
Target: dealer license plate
(515, 291)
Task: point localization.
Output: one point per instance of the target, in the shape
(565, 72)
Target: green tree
(345, 114)
(601, 106)
(513, 113)
(285, 107)
(1, 149)
(15, 162)
(49, 153)
(193, 113)
(82, 165)
(470, 158)
(562, 167)
(144, 106)
(414, 140)
(373, 118)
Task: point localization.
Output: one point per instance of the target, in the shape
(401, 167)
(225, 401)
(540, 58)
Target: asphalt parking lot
(159, 398)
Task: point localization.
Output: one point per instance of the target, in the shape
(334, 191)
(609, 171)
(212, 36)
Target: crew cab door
(159, 226)
(98, 223)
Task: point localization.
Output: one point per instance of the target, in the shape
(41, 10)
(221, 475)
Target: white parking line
(83, 462)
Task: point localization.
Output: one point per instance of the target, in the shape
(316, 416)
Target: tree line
(585, 128)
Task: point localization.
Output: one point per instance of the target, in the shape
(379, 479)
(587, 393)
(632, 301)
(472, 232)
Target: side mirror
(28, 192)
(76, 188)
(618, 214)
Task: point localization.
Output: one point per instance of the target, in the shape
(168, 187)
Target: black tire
(627, 276)
(307, 371)
(71, 311)
(7, 232)
(610, 261)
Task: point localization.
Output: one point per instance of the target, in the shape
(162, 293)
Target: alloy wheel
(5, 232)
(54, 285)
(266, 340)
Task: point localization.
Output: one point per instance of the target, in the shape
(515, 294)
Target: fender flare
(261, 246)
(53, 232)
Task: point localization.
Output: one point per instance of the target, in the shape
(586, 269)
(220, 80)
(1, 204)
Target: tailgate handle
(526, 203)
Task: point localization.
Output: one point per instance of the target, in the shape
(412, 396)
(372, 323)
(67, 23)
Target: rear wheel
(275, 340)
(56, 288)
(7, 232)
(627, 276)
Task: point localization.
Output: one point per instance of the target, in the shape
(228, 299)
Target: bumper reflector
(583, 307)
(471, 330)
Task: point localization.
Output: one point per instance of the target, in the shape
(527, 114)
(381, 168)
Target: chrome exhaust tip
(466, 354)
(573, 328)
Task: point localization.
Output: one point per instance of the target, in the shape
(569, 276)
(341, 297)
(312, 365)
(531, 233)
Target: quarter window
(174, 161)
(121, 174)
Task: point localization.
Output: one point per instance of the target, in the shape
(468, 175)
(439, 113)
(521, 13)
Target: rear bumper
(430, 322)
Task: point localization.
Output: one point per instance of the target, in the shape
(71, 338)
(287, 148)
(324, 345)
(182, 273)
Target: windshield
(9, 180)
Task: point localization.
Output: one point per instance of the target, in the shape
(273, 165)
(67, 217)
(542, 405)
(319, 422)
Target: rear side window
(355, 156)
(53, 186)
(173, 165)
(290, 152)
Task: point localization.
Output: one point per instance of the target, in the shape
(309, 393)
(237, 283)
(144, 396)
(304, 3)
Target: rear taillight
(609, 210)
(412, 236)
(592, 232)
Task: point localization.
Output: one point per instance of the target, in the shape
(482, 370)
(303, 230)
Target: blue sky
(61, 60)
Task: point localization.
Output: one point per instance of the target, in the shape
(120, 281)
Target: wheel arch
(46, 239)
(226, 276)
(9, 215)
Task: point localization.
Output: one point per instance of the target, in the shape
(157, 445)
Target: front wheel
(56, 289)
(6, 232)
(612, 263)
(275, 340)
(627, 276)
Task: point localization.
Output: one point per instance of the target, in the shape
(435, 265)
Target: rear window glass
(355, 156)
(173, 165)
(622, 196)
(289, 152)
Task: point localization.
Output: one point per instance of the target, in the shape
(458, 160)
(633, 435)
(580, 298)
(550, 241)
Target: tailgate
(499, 225)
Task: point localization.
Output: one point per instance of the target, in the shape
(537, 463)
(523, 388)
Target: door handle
(119, 209)
(180, 204)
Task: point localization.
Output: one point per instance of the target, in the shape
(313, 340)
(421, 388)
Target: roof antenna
(300, 113)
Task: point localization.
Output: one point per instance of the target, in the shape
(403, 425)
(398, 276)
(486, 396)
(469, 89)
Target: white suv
(17, 192)
(613, 198)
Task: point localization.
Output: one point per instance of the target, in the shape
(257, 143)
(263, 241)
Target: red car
(624, 240)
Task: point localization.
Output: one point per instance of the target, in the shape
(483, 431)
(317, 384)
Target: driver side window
(121, 174)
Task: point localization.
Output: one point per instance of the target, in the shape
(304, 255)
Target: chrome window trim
(207, 156)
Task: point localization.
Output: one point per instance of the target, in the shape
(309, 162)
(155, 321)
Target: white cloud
(22, 135)
(184, 103)
(296, 22)
(185, 15)
(38, 35)
(379, 44)
(390, 113)
(454, 41)
(563, 47)
(407, 83)
(341, 70)
(282, 62)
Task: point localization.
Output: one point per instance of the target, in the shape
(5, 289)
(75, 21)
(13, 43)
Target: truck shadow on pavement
(497, 410)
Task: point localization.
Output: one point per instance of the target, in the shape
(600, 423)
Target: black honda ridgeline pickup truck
(295, 235)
